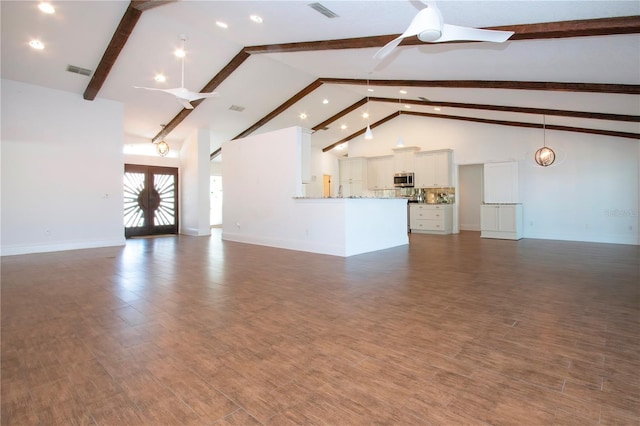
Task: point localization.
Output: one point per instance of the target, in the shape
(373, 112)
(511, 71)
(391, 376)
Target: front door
(150, 200)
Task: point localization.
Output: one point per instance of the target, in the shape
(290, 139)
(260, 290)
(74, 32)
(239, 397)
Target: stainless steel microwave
(403, 180)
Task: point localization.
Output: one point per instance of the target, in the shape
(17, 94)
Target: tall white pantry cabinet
(501, 214)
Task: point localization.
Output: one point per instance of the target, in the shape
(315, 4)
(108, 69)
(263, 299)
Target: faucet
(340, 191)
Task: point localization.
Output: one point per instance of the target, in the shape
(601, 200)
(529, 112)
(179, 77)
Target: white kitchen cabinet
(404, 159)
(353, 176)
(501, 182)
(501, 221)
(380, 172)
(433, 169)
(431, 218)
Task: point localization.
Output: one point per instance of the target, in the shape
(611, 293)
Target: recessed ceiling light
(365, 115)
(160, 78)
(437, 108)
(340, 147)
(343, 127)
(370, 90)
(407, 106)
(36, 44)
(46, 8)
(402, 91)
(180, 53)
(222, 24)
(303, 116)
(325, 101)
(256, 19)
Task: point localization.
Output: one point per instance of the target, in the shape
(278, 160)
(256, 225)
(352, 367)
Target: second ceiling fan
(183, 95)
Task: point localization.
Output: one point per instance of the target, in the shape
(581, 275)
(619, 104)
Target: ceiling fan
(429, 26)
(183, 96)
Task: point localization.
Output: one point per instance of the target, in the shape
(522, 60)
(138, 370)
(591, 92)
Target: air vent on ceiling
(78, 70)
(422, 98)
(322, 9)
(324, 128)
(237, 108)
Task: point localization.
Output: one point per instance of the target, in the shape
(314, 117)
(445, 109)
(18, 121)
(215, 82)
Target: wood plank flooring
(449, 330)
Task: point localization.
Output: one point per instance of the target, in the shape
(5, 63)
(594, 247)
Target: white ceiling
(79, 32)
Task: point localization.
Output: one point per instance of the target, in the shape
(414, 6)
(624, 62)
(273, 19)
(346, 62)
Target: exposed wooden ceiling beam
(362, 131)
(612, 133)
(630, 89)
(215, 153)
(342, 113)
(119, 39)
(531, 125)
(524, 110)
(295, 98)
(563, 29)
(143, 5)
(209, 87)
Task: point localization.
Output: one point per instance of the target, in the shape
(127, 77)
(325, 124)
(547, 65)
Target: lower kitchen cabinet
(431, 218)
(502, 221)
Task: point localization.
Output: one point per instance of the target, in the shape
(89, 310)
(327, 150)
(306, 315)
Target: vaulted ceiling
(575, 62)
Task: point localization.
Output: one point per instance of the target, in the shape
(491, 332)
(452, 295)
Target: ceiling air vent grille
(322, 9)
(78, 70)
(236, 108)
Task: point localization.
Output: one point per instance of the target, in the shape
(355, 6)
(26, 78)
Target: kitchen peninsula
(349, 226)
(264, 202)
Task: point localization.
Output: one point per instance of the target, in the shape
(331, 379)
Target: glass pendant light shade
(162, 148)
(368, 134)
(545, 156)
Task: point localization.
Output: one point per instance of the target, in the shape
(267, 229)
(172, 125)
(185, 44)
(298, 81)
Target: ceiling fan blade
(426, 25)
(456, 33)
(184, 102)
(207, 95)
(153, 88)
(387, 48)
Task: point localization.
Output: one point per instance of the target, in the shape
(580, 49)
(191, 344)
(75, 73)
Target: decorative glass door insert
(150, 200)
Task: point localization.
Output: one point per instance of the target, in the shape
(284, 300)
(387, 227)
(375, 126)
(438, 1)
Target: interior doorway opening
(326, 185)
(215, 200)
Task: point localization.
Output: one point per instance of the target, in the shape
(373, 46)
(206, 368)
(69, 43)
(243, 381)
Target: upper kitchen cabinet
(380, 171)
(501, 182)
(433, 169)
(403, 159)
(353, 176)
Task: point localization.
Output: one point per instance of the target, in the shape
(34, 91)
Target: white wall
(589, 194)
(260, 175)
(194, 184)
(62, 169)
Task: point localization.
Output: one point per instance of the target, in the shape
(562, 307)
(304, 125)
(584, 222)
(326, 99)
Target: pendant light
(368, 134)
(162, 148)
(545, 155)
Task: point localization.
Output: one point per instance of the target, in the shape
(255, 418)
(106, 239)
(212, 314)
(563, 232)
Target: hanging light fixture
(545, 155)
(368, 134)
(162, 148)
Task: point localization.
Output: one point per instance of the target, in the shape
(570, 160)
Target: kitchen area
(423, 178)
(427, 180)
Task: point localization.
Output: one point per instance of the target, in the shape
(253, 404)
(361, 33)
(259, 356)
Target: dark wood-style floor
(449, 330)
